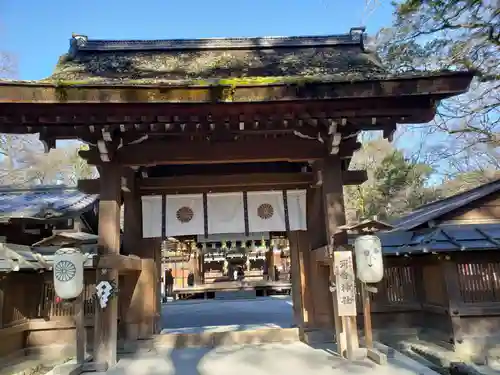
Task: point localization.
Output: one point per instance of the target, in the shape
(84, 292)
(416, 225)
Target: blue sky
(38, 32)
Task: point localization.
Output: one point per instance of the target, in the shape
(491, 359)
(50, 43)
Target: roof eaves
(441, 240)
(488, 237)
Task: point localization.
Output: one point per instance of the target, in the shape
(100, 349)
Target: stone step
(424, 361)
(319, 336)
(232, 295)
(215, 339)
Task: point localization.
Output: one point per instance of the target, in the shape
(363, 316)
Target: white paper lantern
(369, 260)
(68, 273)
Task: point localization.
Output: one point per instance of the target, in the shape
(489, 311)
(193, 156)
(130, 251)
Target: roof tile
(43, 202)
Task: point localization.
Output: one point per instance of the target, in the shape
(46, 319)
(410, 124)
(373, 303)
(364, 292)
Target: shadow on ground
(270, 358)
(199, 316)
(262, 352)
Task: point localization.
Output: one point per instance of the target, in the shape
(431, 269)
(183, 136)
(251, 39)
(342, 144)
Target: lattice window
(479, 282)
(398, 286)
(49, 307)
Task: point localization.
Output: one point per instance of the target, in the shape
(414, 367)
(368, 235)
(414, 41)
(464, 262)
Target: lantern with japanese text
(68, 273)
(369, 260)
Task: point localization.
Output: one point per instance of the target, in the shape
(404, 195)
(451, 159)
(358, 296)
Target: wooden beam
(121, 263)
(89, 187)
(440, 86)
(270, 180)
(352, 177)
(70, 114)
(273, 181)
(196, 152)
(226, 183)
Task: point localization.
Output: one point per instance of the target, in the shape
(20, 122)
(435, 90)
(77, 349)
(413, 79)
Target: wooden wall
(481, 211)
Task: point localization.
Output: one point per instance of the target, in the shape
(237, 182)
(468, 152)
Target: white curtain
(151, 216)
(226, 213)
(184, 215)
(296, 200)
(266, 212)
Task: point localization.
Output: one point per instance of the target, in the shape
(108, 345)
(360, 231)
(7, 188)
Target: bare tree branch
(452, 34)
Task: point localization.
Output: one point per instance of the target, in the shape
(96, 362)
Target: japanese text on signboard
(346, 283)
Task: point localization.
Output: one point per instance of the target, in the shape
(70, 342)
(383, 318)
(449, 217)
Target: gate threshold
(224, 336)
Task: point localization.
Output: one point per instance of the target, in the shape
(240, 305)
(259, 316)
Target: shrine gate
(211, 116)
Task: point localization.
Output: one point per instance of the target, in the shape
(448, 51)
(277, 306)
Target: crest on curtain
(184, 215)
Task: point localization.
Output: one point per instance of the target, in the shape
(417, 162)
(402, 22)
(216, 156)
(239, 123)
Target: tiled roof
(13, 255)
(43, 202)
(197, 61)
(433, 211)
(446, 238)
(70, 237)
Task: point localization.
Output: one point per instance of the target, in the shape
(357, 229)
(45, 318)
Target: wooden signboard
(345, 283)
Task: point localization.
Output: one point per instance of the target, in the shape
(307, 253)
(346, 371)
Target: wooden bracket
(388, 132)
(122, 263)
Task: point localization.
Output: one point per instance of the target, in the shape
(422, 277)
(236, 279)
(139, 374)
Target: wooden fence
(451, 296)
(27, 296)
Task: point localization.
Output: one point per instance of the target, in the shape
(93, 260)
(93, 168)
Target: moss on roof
(219, 66)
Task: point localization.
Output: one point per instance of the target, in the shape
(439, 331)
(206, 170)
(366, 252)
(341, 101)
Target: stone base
(215, 339)
(376, 356)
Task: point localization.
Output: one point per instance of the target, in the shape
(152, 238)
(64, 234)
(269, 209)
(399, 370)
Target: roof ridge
(37, 188)
(426, 214)
(465, 192)
(80, 42)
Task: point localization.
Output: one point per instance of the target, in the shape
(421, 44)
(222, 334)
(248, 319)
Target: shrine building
(219, 136)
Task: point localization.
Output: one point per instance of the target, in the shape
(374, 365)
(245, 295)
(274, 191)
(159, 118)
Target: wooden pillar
(106, 320)
(306, 286)
(141, 292)
(81, 334)
(195, 266)
(452, 284)
(2, 297)
(157, 258)
(301, 278)
(270, 263)
(316, 230)
(132, 234)
(298, 316)
(333, 201)
(132, 215)
(201, 261)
